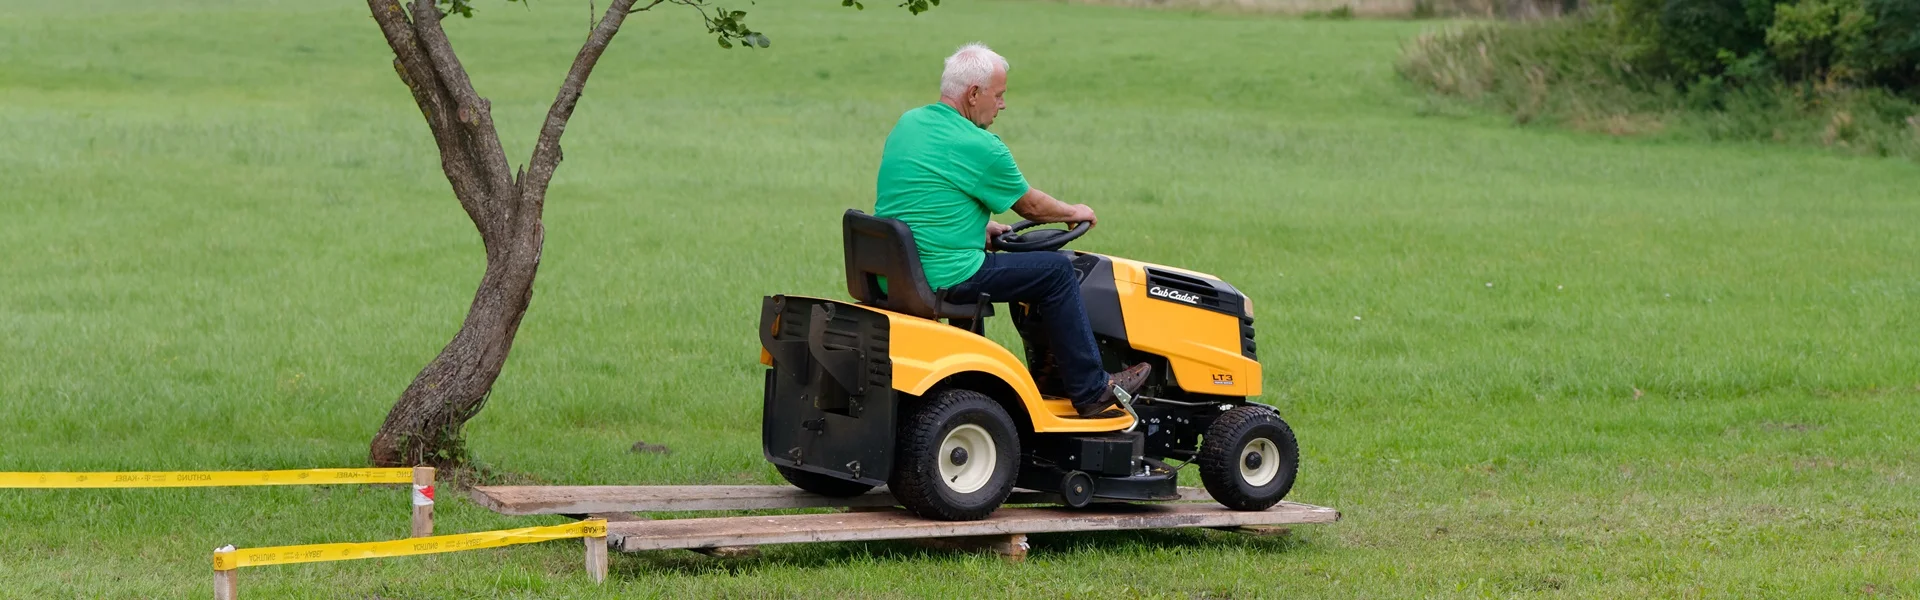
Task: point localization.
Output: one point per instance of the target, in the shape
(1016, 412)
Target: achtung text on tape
(280, 555)
(147, 479)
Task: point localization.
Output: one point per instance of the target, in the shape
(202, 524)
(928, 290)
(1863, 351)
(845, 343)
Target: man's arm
(1037, 206)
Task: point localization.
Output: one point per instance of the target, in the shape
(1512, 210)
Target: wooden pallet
(635, 536)
(870, 517)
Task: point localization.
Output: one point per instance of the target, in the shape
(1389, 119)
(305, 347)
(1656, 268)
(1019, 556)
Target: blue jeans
(1045, 281)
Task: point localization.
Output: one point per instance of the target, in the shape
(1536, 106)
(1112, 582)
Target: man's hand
(1083, 214)
(994, 230)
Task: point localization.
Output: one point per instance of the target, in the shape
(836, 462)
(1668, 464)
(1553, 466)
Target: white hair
(971, 65)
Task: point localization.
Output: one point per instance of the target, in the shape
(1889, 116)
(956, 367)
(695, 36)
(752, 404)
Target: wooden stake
(596, 558)
(225, 584)
(422, 498)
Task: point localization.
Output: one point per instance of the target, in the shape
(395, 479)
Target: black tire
(917, 481)
(825, 485)
(1225, 449)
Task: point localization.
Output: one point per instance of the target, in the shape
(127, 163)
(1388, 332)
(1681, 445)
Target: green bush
(1821, 39)
(1712, 43)
(1892, 48)
(1554, 70)
(1585, 74)
(1696, 35)
(1841, 73)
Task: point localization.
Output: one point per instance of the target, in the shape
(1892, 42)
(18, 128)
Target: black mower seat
(877, 247)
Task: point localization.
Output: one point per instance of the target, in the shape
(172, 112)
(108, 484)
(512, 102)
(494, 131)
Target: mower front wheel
(956, 457)
(1249, 458)
(825, 485)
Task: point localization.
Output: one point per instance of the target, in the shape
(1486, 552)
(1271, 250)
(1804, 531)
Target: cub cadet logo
(1174, 295)
(1222, 379)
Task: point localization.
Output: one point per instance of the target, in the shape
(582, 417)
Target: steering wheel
(1020, 239)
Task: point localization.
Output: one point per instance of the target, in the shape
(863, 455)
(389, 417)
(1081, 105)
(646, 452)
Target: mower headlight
(1247, 305)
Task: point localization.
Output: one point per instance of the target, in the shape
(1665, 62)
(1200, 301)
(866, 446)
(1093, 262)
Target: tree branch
(415, 69)
(473, 113)
(546, 151)
(399, 33)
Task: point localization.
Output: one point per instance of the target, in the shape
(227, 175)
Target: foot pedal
(1126, 404)
(1063, 408)
(1105, 414)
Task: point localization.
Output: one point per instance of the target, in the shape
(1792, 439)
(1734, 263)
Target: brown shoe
(1120, 390)
(1132, 378)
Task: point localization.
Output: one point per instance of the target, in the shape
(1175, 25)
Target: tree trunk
(425, 424)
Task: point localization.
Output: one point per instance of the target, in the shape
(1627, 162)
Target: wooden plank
(730, 551)
(720, 552)
(1013, 548)
(618, 517)
(587, 499)
(898, 525)
(1259, 530)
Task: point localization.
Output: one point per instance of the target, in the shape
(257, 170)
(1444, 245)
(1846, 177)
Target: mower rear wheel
(1249, 458)
(825, 485)
(956, 458)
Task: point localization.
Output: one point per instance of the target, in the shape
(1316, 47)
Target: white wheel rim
(981, 457)
(1269, 462)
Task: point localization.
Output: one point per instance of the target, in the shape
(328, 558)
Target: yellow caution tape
(147, 479)
(282, 555)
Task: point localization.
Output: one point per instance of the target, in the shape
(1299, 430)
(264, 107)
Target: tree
(424, 426)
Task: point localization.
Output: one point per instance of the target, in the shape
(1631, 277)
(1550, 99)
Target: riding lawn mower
(879, 391)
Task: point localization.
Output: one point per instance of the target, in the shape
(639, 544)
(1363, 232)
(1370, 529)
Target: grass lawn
(1522, 362)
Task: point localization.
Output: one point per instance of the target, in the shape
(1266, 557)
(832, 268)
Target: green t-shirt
(944, 177)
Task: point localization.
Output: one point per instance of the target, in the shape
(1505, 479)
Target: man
(944, 175)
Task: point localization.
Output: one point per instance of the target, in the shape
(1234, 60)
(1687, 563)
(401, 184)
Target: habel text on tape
(227, 559)
(150, 479)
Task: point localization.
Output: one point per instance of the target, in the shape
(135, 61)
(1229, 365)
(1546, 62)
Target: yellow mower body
(900, 387)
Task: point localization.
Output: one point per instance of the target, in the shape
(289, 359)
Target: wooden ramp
(634, 536)
(871, 516)
(588, 499)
